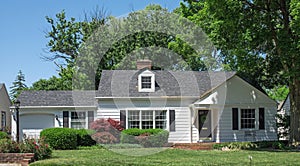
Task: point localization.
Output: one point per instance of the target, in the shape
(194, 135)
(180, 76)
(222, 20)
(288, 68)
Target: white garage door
(32, 124)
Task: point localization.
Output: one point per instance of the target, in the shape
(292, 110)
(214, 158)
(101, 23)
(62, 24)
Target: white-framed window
(147, 119)
(146, 81)
(78, 120)
(247, 118)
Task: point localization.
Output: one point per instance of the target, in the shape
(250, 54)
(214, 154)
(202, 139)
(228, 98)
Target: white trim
(256, 122)
(146, 73)
(153, 109)
(148, 97)
(23, 107)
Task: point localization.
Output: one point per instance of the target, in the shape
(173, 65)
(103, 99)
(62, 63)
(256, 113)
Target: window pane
(247, 118)
(78, 120)
(146, 82)
(147, 119)
(160, 119)
(133, 119)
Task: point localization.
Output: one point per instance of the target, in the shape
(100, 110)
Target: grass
(97, 156)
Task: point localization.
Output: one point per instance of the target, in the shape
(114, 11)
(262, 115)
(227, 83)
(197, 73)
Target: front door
(204, 117)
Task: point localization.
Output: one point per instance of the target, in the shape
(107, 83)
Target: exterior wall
(4, 106)
(110, 108)
(239, 94)
(34, 120)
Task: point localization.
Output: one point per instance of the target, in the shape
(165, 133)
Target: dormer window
(146, 81)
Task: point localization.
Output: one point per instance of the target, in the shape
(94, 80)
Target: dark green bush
(3, 135)
(84, 137)
(282, 145)
(145, 137)
(60, 138)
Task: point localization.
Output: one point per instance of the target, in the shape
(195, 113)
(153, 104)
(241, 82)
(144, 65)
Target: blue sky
(23, 27)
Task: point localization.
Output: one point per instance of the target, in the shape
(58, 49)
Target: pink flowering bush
(40, 149)
(107, 131)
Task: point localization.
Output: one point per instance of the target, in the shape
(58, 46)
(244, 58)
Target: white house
(5, 103)
(193, 106)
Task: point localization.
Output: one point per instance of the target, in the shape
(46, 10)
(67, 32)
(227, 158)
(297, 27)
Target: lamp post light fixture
(17, 107)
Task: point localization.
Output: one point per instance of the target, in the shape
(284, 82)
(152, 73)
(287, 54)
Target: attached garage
(32, 124)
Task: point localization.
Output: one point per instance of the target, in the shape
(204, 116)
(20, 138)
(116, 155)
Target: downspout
(191, 121)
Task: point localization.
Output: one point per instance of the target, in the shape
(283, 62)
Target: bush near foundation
(145, 137)
(107, 131)
(60, 138)
(40, 149)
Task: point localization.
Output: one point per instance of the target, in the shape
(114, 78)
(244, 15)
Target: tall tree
(267, 30)
(18, 86)
(71, 40)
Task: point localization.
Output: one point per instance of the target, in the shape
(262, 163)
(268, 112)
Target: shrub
(145, 137)
(273, 144)
(107, 131)
(84, 137)
(105, 138)
(60, 138)
(122, 146)
(9, 146)
(40, 149)
(3, 135)
(236, 145)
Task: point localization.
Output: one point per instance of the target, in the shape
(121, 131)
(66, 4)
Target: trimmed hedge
(145, 137)
(68, 138)
(84, 137)
(60, 138)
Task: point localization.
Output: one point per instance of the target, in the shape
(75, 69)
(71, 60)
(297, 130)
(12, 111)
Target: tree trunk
(295, 111)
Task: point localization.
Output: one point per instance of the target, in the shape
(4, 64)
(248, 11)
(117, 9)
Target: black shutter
(261, 118)
(172, 120)
(90, 118)
(235, 118)
(123, 118)
(66, 119)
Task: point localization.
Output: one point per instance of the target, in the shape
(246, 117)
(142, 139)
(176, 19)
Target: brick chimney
(144, 63)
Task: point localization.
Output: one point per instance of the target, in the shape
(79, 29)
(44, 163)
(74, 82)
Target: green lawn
(94, 156)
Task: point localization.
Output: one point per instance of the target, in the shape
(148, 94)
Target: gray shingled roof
(123, 83)
(57, 98)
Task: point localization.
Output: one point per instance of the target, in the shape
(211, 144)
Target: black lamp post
(17, 106)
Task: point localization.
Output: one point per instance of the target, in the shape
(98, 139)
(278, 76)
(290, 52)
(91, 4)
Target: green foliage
(122, 146)
(84, 137)
(281, 145)
(278, 93)
(9, 146)
(18, 86)
(3, 135)
(60, 138)
(63, 82)
(235, 145)
(40, 149)
(145, 137)
(264, 33)
(174, 157)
